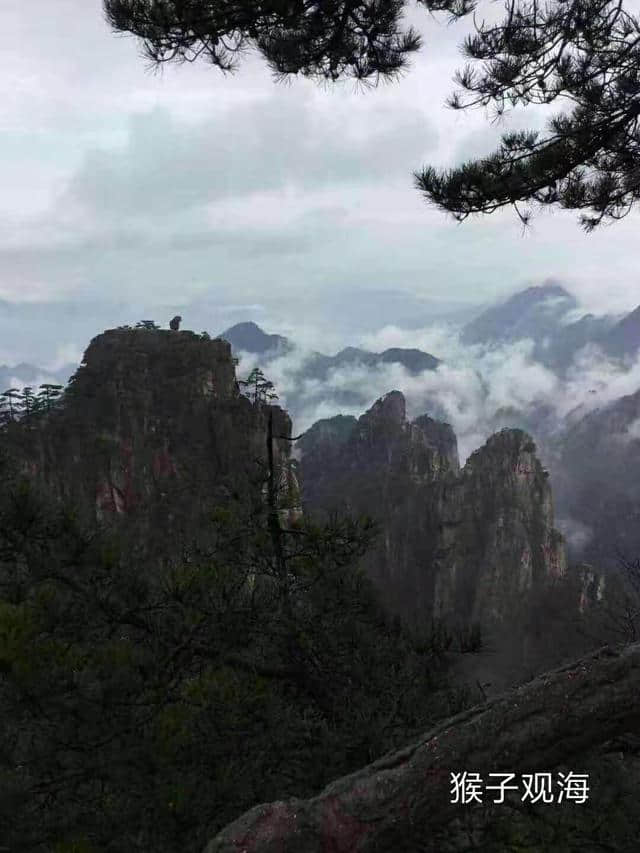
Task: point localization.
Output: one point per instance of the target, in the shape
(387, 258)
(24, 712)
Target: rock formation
(582, 718)
(496, 535)
(597, 484)
(313, 378)
(466, 543)
(153, 433)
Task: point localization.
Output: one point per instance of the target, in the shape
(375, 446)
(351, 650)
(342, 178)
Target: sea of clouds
(477, 388)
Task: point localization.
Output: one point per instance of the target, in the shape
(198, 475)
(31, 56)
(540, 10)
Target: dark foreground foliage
(145, 711)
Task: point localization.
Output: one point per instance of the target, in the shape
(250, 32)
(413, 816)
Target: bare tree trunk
(275, 528)
(402, 802)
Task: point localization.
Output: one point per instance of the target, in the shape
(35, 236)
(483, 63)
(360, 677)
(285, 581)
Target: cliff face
(381, 465)
(597, 485)
(496, 540)
(583, 715)
(152, 431)
(456, 543)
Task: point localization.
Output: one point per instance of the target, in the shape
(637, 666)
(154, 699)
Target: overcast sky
(127, 186)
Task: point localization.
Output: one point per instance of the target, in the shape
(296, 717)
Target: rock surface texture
(583, 718)
(597, 484)
(466, 543)
(152, 432)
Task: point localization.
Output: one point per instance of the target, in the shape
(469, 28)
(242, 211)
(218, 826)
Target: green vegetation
(16, 404)
(143, 710)
(260, 389)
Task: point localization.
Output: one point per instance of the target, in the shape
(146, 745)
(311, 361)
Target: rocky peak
(327, 434)
(440, 437)
(381, 443)
(508, 460)
(466, 544)
(153, 369)
(382, 427)
(390, 409)
(532, 313)
(496, 534)
(249, 337)
(152, 433)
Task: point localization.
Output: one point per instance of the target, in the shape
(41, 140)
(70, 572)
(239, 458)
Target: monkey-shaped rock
(175, 323)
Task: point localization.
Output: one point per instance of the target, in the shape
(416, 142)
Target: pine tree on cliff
(143, 712)
(27, 401)
(11, 398)
(586, 54)
(259, 387)
(48, 393)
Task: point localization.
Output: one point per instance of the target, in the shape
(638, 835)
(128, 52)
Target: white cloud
(633, 430)
(577, 534)
(65, 354)
(477, 389)
(151, 187)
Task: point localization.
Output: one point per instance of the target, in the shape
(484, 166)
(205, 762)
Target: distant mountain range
(623, 340)
(546, 315)
(597, 484)
(532, 313)
(29, 374)
(307, 382)
(249, 337)
(592, 455)
(584, 472)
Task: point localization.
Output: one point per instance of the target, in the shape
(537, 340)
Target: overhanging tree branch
(585, 51)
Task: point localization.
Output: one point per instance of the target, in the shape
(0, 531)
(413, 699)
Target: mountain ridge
(251, 338)
(407, 474)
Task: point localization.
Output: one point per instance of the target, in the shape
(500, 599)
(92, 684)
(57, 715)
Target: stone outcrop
(496, 540)
(597, 485)
(382, 465)
(582, 718)
(152, 432)
(591, 586)
(467, 543)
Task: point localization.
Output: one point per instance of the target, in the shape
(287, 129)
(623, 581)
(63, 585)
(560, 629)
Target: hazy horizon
(126, 190)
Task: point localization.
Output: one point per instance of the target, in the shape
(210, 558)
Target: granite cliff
(583, 715)
(467, 544)
(152, 432)
(595, 478)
